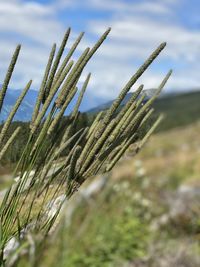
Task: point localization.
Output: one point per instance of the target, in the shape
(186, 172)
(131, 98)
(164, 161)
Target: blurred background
(147, 211)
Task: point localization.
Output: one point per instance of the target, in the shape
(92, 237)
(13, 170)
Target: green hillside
(180, 109)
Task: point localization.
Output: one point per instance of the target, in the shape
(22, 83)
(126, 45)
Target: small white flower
(145, 202)
(137, 196)
(140, 172)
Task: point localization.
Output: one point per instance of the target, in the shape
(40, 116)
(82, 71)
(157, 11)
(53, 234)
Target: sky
(138, 27)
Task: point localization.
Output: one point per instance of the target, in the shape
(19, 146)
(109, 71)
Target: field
(144, 213)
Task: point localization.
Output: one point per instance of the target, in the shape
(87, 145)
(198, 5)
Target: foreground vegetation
(58, 157)
(136, 218)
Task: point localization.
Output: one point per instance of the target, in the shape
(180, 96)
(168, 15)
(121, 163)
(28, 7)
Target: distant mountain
(149, 93)
(25, 110)
(180, 108)
(107, 104)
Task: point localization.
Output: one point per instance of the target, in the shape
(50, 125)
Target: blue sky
(137, 28)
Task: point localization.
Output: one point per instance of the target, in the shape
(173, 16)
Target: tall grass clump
(43, 174)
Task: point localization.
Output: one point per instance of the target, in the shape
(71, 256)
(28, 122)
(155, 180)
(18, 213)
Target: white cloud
(136, 36)
(150, 6)
(16, 7)
(132, 39)
(137, 28)
(31, 20)
(37, 28)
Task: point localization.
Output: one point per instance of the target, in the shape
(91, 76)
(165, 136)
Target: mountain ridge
(26, 108)
(92, 104)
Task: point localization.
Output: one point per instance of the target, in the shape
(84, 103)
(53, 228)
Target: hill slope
(180, 109)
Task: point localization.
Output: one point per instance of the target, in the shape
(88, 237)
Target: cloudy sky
(137, 28)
